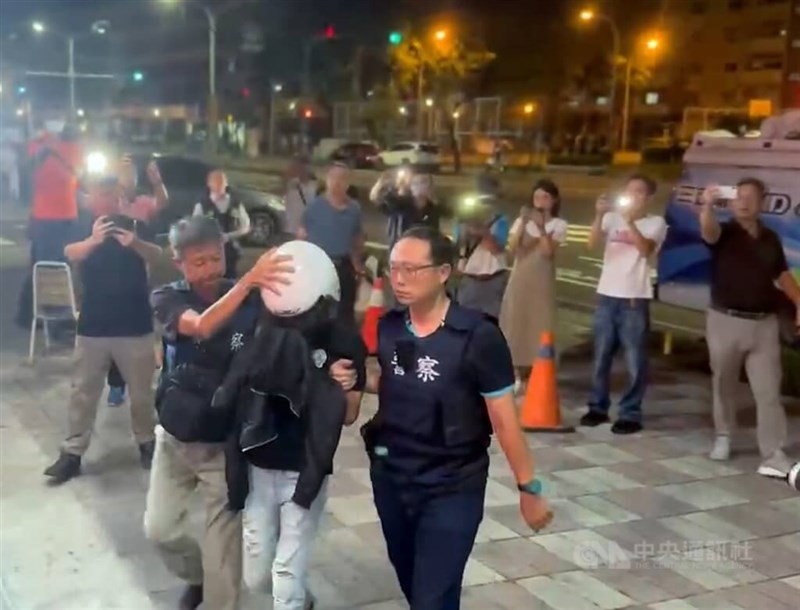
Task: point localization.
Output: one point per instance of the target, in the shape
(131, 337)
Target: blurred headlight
(96, 163)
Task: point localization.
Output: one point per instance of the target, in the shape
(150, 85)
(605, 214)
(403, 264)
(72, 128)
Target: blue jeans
(429, 539)
(624, 322)
(278, 535)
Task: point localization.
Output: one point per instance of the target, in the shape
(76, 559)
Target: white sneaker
(777, 466)
(722, 449)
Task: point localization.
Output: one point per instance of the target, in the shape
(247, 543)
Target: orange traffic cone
(375, 309)
(541, 411)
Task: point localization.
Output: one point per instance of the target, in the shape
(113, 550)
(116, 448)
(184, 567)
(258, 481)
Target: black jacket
(279, 362)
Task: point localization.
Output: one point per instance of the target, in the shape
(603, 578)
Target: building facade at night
(735, 51)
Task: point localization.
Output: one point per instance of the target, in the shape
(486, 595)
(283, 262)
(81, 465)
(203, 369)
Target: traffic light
(395, 38)
(308, 114)
(138, 76)
(330, 32)
(245, 92)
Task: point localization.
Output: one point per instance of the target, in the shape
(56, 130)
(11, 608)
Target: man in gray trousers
(748, 268)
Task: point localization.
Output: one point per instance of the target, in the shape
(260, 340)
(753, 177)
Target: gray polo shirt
(332, 229)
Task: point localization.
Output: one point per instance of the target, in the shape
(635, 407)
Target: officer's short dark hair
(649, 183)
(442, 249)
(194, 231)
(757, 184)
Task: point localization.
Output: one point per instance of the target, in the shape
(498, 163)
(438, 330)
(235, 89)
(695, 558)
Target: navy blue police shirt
(439, 369)
(287, 452)
(170, 302)
(115, 289)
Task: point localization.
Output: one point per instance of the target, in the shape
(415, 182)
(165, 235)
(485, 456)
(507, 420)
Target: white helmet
(314, 277)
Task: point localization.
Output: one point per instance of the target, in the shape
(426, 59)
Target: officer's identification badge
(320, 357)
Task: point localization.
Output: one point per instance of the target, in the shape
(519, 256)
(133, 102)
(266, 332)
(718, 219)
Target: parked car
(185, 180)
(357, 155)
(419, 155)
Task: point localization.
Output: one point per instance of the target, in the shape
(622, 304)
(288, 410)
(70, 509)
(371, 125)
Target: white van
(684, 260)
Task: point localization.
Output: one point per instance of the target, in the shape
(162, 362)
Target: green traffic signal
(395, 38)
(138, 76)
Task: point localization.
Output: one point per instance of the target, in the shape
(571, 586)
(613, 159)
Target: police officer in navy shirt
(207, 319)
(446, 381)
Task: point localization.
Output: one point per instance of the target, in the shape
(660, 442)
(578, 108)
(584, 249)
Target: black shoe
(65, 468)
(593, 419)
(146, 451)
(626, 427)
(191, 598)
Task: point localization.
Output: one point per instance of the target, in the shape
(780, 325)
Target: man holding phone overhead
(622, 315)
(116, 321)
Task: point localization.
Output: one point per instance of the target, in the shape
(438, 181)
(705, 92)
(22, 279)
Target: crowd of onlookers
(503, 266)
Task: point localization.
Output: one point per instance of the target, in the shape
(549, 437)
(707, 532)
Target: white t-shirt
(557, 227)
(626, 273)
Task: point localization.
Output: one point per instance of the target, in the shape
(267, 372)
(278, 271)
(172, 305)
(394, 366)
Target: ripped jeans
(278, 535)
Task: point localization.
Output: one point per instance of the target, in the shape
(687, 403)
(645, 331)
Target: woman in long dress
(529, 301)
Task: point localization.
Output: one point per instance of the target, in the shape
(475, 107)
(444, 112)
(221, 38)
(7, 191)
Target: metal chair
(53, 299)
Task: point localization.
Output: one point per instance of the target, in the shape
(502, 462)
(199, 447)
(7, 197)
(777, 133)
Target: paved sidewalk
(642, 522)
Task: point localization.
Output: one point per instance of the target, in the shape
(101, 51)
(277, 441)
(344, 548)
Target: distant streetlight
(81, 113)
(21, 90)
(307, 114)
(440, 35)
(651, 44)
(293, 106)
(156, 112)
(588, 15)
(97, 27)
(402, 109)
(20, 112)
(138, 76)
(277, 87)
(456, 114)
(529, 108)
(429, 102)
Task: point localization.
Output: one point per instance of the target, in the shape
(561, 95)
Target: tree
(442, 66)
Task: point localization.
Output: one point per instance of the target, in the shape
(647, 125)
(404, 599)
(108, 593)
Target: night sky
(170, 44)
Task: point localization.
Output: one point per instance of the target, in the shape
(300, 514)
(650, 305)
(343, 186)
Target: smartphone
(727, 192)
(623, 201)
(120, 221)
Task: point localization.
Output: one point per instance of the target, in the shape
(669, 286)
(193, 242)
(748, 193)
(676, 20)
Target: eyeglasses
(409, 272)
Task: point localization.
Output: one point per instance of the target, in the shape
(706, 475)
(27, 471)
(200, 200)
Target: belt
(745, 315)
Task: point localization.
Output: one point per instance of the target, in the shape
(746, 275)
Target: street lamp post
(213, 111)
(652, 44)
(589, 15)
(98, 27)
(626, 107)
(274, 91)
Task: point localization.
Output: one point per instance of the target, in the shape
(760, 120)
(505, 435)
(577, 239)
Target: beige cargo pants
(756, 344)
(179, 470)
(137, 364)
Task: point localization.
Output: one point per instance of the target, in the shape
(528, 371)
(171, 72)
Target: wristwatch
(533, 487)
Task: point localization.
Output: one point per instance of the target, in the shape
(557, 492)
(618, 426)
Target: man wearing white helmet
(289, 415)
(207, 319)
